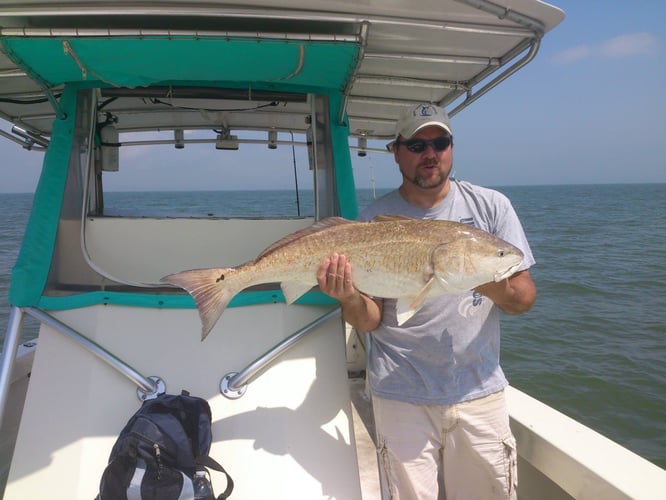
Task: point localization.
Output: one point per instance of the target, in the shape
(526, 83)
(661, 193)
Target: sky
(590, 109)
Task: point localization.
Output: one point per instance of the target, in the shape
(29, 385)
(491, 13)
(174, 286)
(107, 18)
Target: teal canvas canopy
(135, 61)
(320, 67)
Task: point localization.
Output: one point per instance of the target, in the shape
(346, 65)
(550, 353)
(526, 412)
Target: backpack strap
(134, 488)
(211, 463)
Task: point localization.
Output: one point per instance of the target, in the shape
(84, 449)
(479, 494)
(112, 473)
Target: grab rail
(234, 384)
(9, 350)
(148, 387)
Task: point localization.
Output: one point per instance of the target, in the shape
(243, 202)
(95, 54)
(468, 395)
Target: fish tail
(212, 290)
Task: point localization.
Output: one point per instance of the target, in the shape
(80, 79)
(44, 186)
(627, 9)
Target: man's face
(429, 168)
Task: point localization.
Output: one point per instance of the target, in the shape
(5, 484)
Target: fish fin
(390, 218)
(406, 308)
(313, 229)
(329, 222)
(417, 302)
(292, 290)
(211, 290)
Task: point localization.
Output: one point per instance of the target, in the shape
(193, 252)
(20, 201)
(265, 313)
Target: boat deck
(552, 465)
(364, 432)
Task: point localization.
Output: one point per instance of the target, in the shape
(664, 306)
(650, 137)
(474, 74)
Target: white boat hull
(295, 423)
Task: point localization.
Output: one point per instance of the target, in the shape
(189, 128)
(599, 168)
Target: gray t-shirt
(448, 351)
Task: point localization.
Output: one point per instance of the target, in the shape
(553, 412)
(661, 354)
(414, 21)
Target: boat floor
(364, 432)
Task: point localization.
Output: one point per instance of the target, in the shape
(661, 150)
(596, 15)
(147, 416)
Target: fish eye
(500, 253)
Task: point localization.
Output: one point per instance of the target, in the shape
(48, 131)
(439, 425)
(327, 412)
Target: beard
(432, 182)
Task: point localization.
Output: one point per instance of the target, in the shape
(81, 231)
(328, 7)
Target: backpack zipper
(158, 458)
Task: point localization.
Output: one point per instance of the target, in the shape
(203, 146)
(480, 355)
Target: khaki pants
(460, 452)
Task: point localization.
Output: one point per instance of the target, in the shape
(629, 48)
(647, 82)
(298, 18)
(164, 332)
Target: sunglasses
(420, 145)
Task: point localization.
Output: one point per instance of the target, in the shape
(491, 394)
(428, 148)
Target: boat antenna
(372, 178)
(293, 156)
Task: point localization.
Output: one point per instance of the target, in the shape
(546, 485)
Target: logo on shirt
(469, 305)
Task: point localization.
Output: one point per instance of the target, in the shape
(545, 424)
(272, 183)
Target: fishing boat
(85, 82)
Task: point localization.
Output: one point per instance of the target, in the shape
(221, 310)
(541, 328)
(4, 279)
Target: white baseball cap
(417, 117)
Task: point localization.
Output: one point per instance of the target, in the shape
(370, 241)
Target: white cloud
(575, 54)
(627, 45)
(632, 44)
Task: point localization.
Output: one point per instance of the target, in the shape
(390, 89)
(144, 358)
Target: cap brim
(408, 134)
(441, 125)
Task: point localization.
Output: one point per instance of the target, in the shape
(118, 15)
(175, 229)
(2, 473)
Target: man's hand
(335, 279)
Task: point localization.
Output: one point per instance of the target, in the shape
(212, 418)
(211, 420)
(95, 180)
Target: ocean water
(593, 346)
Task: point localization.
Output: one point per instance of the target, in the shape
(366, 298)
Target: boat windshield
(203, 173)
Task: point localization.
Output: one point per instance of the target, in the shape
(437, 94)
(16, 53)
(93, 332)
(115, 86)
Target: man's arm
(336, 280)
(514, 295)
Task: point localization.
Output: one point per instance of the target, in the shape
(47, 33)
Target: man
(438, 390)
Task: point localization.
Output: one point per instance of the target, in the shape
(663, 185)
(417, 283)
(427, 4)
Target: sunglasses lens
(419, 145)
(441, 143)
(416, 146)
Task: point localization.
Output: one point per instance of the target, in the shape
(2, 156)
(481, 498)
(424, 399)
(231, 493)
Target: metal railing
(234, 384)
(9, 350)
(148, 387)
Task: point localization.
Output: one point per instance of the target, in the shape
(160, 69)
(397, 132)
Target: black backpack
(158, 452)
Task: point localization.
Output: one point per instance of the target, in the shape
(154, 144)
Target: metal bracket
(229, 391)
(160, 388)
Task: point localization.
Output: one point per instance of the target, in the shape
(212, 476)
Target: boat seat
(126, 247)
